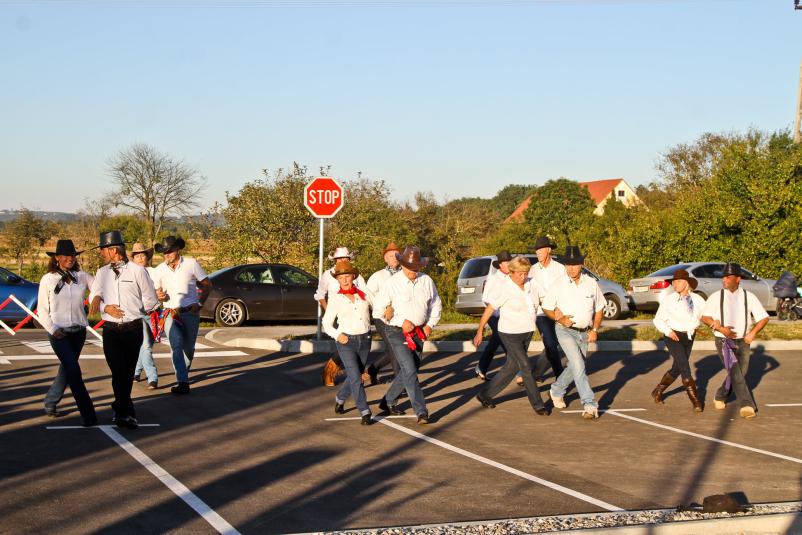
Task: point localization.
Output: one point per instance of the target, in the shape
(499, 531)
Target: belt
(186, 308)
(577, 329)
(124, 325)
(73, 328)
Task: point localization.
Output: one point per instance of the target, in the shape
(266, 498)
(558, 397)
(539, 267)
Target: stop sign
(323, 197)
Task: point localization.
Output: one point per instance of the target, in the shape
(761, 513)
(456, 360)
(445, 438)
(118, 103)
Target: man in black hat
(576, 303)
(494, 281)
(728, 312)
(546, 273)
(178, 279)
(124, 294)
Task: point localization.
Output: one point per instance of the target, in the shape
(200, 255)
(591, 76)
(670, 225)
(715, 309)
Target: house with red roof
(600, 191)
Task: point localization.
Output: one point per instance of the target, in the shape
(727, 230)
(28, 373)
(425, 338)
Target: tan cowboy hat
(391, 247)
(682, 275)
(344, 267)
(341, 252)
(411, 258)
(139, 247)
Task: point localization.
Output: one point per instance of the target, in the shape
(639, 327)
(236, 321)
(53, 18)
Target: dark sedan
(24, 290)
(260, 292)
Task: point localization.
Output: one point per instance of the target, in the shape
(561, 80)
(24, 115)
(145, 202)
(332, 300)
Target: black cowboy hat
(732, 268)
(110, 238)
(64, 248)
(170, 243)
(411, 258)
(573, 256)
(502, 256)
(544, 241)
(683, 275)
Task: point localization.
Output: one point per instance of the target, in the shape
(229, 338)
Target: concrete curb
(757, 524)
(218, 336)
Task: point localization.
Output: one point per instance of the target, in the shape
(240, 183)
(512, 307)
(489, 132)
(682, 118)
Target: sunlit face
(346, 280)
(731, 282)
(107, 255)
(518, 277)
(411, 275)
(504, 266)
(65, 262)
(172, 257)
(680, 286)
(141, 259)
(390, 259)
(574, 271)
(543, 254)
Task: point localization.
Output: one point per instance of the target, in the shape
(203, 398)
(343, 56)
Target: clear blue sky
(454, 97)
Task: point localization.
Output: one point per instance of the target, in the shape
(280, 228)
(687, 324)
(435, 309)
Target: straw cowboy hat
(170, 243)
(411, 258)
(391, 247)
(139, 247)
(341, 252)
(345, 267)
(64, 248)
(683, 275)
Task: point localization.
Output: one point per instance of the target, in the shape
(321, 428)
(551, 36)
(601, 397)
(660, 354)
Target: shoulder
(161, 267)
(556, 264)
(48, 278)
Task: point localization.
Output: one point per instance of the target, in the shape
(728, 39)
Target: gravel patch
(547, 524)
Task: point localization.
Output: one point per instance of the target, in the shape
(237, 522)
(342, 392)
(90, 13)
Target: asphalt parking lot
(257, 447)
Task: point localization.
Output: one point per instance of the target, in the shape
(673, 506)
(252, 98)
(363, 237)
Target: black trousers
(121, 343)
(680, 353)
(492, 345)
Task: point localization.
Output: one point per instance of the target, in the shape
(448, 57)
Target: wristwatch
(595, 330)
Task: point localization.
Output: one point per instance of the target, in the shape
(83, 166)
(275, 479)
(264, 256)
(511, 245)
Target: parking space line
(82, 427)
(178, 488)
(603, 410)
(500, 466)
(784, 405)
(705, 437)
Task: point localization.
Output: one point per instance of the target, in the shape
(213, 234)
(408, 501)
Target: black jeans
(68, 350)
(548, 333)
(737, 373)
(386, 357)
(681, 353)
(121, 343)
(492, 345)
(517, 361)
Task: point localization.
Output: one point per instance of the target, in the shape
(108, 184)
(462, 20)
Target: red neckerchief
(417, 331)
(352, 291)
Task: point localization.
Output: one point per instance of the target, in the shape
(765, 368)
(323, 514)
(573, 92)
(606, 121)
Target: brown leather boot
(693, 395)
(664, 383)
(330, 371)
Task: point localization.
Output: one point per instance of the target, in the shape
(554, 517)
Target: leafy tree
(26, 232)
(558, 208)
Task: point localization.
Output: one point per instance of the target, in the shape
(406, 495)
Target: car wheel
(230, 313)
(612, 310)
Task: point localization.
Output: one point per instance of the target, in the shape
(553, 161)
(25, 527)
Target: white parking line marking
(82, 427)
(347, 418)
(784, 405)
(198, 345)
(504, 467)
(705, 437)
(603, 410)
(155, 355)
(4, 361)
(178, 488)
(40, 346)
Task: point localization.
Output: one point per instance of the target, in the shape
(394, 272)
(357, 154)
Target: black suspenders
(746, 309)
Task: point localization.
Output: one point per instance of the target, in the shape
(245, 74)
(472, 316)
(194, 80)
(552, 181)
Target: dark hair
(53, 266)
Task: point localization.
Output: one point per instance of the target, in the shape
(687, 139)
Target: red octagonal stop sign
(323, 197)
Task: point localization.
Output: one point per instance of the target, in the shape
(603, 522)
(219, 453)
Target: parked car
(260, 292)
(472, 277)
(24, 290)
(647, 292)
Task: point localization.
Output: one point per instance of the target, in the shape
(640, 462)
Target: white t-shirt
(517, 307)
(180, 283)
(675, 314)
(734, 310)
(580, 301)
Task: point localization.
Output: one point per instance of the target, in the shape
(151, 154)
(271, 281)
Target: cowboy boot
(330, 371)
(693, 395)
(664, 383)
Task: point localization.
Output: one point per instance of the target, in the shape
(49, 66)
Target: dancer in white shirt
(142, 255)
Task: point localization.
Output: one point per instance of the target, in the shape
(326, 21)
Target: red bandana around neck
(352, 291)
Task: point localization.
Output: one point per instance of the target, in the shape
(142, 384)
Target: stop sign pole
(323, 197)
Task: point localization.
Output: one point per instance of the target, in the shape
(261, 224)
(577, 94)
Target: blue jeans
(68, 350)
(354, 355)
(575, 346)
(146, 354)
(182, 335)
(546, 328)
(492, 345)
(408, 372)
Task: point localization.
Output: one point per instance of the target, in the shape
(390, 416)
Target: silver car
(647, 291)
(472, 277)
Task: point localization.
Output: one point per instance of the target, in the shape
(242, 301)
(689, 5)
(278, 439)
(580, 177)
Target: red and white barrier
(32, 314)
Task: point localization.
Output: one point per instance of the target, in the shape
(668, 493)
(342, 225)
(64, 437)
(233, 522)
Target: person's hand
(728, 332)
(58, 334)
(592, 337)
(94, 306)
(477, 339)
(715, 326)
(407, 326)
(565, 320)
(342, 338)
(114, 311)
(673, 336)
(749, 338)
(162, 295)
(427, 331)
(388, 313)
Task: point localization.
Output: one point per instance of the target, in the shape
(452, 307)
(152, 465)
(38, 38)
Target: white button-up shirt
(132, 291)
(546, 277)
(66, 308)
(352, 318)
(517, 307)
(329, 285)
(580, 300)
(675, 314)
(416, 301)
(493, 285)
(181, 283)
(734, 310)
(377, 280)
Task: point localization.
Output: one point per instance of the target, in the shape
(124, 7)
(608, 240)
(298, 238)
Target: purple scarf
(730, 360)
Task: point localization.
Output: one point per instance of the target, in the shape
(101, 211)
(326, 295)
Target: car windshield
(475, 267)
(668, 271)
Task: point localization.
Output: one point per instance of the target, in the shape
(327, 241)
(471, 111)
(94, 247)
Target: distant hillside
(10, 215)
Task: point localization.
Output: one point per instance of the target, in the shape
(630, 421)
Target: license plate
(467, 290)
(640, 289)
